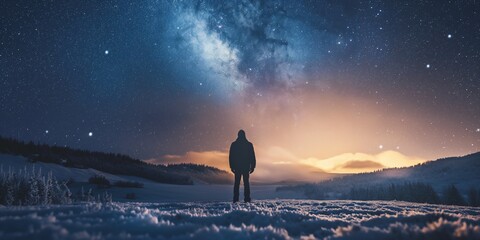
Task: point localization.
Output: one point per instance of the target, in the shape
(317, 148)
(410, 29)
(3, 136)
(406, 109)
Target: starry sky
(318, 86)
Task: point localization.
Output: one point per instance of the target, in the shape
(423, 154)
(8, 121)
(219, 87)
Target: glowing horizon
(277, 164)
(317, 86)
(310, 133)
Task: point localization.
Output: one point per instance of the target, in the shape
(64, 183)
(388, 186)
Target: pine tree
(24, 188)
(48, 189)
(34, 195)
(452, 196)
(10, 185)
(473, 197)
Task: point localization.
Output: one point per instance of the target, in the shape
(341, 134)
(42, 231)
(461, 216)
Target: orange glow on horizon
(277, 164)
(306, 135)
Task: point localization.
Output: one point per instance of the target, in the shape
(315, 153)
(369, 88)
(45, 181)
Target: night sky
(307, 80)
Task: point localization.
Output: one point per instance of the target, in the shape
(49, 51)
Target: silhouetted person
(242, 163)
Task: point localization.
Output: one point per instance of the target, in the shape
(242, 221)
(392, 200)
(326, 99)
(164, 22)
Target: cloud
(274, 164)
(360, 162)
(362, 165)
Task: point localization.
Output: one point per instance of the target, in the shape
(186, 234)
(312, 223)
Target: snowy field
(152, 191)
(275, 219)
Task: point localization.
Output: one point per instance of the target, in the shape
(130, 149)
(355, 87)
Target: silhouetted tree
(128, 184)
(473, 197)
(106, 162)
(99, 180)
(410, 192)
(452, 196)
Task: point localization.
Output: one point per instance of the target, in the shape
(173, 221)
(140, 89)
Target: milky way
(308, 79)
(253, 45)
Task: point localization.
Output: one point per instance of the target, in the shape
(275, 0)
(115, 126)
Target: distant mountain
(117, 164)
(463, 172)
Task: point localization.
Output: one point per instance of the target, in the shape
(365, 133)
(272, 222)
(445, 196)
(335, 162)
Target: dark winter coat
(242, 156)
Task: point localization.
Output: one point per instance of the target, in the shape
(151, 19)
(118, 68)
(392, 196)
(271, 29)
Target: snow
(266, 219)
(166, 211)
(156, 192)
(462, 172)
(16, 163)
(151, 192)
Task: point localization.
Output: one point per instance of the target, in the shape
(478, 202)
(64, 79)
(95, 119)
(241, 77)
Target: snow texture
(271, 219)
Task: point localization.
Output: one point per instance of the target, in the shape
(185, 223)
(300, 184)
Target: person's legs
(246, 187)
(236, 187)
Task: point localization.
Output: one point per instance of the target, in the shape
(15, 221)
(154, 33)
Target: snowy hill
(286, 219)
(114, 164)
(463, 172)
(150, 192)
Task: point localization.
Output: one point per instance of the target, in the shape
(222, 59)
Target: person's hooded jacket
(242, 156)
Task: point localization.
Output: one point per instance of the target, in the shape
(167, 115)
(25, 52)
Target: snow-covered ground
(200, 212)
(151, 192)
(269, 219)
(16, 163)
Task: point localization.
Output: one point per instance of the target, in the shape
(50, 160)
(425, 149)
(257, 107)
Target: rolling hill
(111, 164)
(462, 172)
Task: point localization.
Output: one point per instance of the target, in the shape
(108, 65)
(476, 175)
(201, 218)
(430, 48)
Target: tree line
(113, 163)
(407, 191)
(415, 192)
(32, 187)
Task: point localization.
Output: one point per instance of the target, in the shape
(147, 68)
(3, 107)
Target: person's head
(241, 134)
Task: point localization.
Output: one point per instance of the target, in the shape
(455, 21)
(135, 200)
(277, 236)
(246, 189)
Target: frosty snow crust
(282, 219)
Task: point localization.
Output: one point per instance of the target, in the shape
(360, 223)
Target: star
(271, 56)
